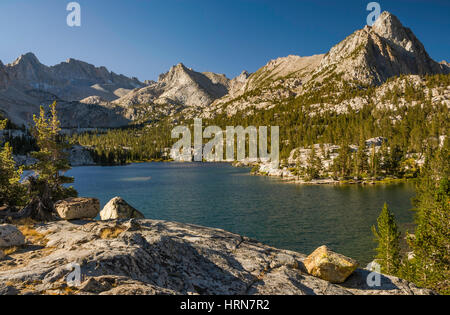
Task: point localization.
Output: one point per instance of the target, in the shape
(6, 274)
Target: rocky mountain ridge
(92, 96)
(368, 57)
(26, 84)
(179, 89)
(71, 80)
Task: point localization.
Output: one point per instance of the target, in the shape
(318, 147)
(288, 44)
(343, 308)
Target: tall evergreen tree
(314, 165)
(361, 159)
(52, 160)
(342, 164)
(431, 242)
(12, 192)
(388, 238)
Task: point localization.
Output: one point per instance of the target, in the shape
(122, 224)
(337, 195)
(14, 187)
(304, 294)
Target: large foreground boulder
(78, 208)
(10, 236)
(329, 266)
(117, 208)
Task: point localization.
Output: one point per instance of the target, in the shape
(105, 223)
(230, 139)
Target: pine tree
(12, 192)
(361, 164)
(52, 160)
(314, 165)
(341, 165)
(431, 241)
(374, 162)
(388, 237)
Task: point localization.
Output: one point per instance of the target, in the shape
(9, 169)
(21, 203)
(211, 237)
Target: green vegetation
(35, 197)
(428, 263)
(388, 237)
(133, 144)
(430, 244)
(314, 165)
(52, 161)
(410, 129)
(12, 193)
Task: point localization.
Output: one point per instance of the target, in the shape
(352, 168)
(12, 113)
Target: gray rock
(180, 86)
(79, 156)
(157, 257)
(10, 236)
(78, 208)
(117, 208)
(26, 84)
(8, 290)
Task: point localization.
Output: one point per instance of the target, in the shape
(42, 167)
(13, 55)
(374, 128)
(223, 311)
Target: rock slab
(330, 266)
(159, 257)
(78, 208)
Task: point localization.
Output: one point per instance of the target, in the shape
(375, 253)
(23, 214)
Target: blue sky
(143, 38)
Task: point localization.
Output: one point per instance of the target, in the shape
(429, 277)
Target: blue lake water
(289, 216)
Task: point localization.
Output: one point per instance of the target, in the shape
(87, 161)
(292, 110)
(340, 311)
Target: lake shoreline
(218, 195)
(288, 180)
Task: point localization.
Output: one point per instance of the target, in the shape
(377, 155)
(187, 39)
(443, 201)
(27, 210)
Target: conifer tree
(388, 237)
(314, 165)
(361, 164)
(342, 163)
(431, 241)
(12, 192)
(52, 160)
(374, 162)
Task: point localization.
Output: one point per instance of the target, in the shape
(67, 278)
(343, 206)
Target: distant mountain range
(90, 96)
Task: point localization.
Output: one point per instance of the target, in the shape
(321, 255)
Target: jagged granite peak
(26, 83)
(180, 86)
(28, 58)
(70, 80)
(369, 56)
(389, 27)
(28, 70)
(374, 54)
(74, 69)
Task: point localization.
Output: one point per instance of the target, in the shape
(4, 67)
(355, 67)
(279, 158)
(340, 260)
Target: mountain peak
(386, 22)
(26, 58)
(72, 60)
(377, 53)
(244, 73)
(180, 66)
(389, 27)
